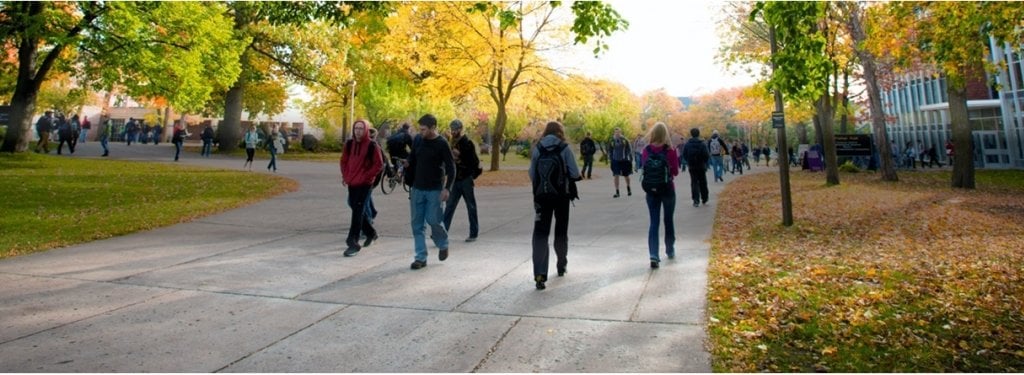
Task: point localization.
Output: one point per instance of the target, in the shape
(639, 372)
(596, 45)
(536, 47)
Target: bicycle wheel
(401, 180)
(388, 185)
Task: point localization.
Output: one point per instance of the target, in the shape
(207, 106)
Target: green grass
(53, 202)
(293, 154)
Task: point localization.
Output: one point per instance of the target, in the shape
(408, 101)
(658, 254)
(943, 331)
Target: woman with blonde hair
(661, 165)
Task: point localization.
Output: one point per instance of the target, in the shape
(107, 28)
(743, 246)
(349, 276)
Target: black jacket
(468, 162)
(696, 154)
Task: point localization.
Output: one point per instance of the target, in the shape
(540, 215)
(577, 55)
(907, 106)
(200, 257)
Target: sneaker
(471, 239)
(369, 240)
(541, 286)
(442, 255)
(705, 203)
(654, 264)
(352, 251)
(616, 194)
(561, 271)
(696, 204)
(540, 281)
(418, 264)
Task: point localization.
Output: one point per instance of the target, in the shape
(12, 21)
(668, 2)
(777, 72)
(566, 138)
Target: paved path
(264, 288)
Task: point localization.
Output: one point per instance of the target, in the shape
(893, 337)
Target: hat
(428, 120)
(455, 125)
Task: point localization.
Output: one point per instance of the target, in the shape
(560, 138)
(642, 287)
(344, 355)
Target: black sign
(5, 117)
(853, 145)
(778, 120)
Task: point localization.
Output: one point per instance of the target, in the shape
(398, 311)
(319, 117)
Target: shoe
(561, 271)
(442, 255)
(671, 255)
(540, 285)
(418, 264)
(471, 239)
(696, 204)
(629, 191)
(369, 240)
(616, 194)
(654, 264)
(705, 203)
(352, 251)
(540, 281)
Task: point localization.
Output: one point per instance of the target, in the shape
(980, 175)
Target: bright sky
(669, 44)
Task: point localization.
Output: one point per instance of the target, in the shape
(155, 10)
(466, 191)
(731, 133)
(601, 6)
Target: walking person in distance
(467, 168)
(697, 155)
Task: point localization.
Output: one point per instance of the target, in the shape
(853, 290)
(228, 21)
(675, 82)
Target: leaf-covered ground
(52, 201)
(873, 276)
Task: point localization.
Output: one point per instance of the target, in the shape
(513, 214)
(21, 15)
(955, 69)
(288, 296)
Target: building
(917, 109)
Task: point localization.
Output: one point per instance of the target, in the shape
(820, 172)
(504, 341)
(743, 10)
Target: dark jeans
(698, 185)
(273, 160)
(249, 153)
(60, 146)
(207, 147)
(103, 143)
(360, 223)
(462, 189)
(655, 203)
(541, 230)
(588, 166)
(177, 149)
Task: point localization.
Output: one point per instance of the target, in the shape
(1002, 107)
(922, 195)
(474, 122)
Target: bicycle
(393, 174)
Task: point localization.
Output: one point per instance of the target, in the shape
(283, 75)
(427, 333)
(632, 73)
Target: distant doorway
(991, 150)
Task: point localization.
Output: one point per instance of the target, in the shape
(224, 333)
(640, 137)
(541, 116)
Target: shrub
(849, 167)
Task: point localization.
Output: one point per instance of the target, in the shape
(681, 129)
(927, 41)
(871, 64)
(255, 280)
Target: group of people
(275, 145)
(138, 131)
(912, 155)
(68, 131)
(441, 170)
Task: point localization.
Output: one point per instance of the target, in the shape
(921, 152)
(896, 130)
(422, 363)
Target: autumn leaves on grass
(873, 276)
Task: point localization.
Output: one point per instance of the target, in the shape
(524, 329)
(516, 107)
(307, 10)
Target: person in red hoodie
(360, 164)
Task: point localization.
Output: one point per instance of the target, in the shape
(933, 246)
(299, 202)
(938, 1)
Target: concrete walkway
(264, 288)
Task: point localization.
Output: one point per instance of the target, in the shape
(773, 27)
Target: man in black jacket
(587, 149)
(467, 168)
(433, 175)
(697, 155)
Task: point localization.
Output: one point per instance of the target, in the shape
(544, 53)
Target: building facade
(917, 111)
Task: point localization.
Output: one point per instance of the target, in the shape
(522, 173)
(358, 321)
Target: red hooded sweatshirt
(360, 161)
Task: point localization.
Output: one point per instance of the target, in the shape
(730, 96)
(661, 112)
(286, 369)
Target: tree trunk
(827, 118)
(846, 103)
(801, 133)
(499, 135)
(167, 120)
(19, 129)
(867, 61)
(230, 128)
(963, 159)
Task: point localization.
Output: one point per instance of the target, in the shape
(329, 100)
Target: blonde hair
(658, 134)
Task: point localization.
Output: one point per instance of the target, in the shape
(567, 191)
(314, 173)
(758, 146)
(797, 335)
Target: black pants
(357, 196)
(249, 153)
(541, 230)
(588, 166)
(63, 140)
(698, 185)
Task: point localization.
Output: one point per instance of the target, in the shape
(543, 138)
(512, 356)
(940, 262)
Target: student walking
(718, 149)
(736, 154)
(86, 125)
(43, 127)
(360, 164)
(106, 130)
(553, 171)
(275, 145)
(661, 165)
(767, 153)
(207, 137)
(65, 134)
(178, 138)
(588, 148)
(621, 160)
(467, 168)
(433, 175)
(696, 154)
(638, 146)
(251, 139)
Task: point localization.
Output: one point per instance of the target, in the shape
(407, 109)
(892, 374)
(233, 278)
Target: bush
(849, 167)
(309, 142)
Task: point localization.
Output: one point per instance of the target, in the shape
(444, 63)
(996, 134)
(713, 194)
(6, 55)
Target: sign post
(778, 120)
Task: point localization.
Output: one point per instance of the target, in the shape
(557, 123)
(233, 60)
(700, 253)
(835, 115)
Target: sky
(669, 44)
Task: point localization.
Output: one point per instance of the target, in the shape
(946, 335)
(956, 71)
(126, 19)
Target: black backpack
(656, 175)
(551, 180)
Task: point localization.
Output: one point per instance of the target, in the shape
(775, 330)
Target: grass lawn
(873, 277)
(263, 154)
(53, 202)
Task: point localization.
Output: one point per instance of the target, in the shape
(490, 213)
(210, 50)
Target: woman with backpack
(251, 139)
(553, 172)
(661, 165)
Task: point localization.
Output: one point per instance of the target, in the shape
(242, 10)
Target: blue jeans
(370, 211)
(717, 167)
(84, 134)
(207, 147)
(425, 207)
(655, 203)
(103, 143)
(638, 159)
(273, 160)
(462, 189)
(177, 149)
